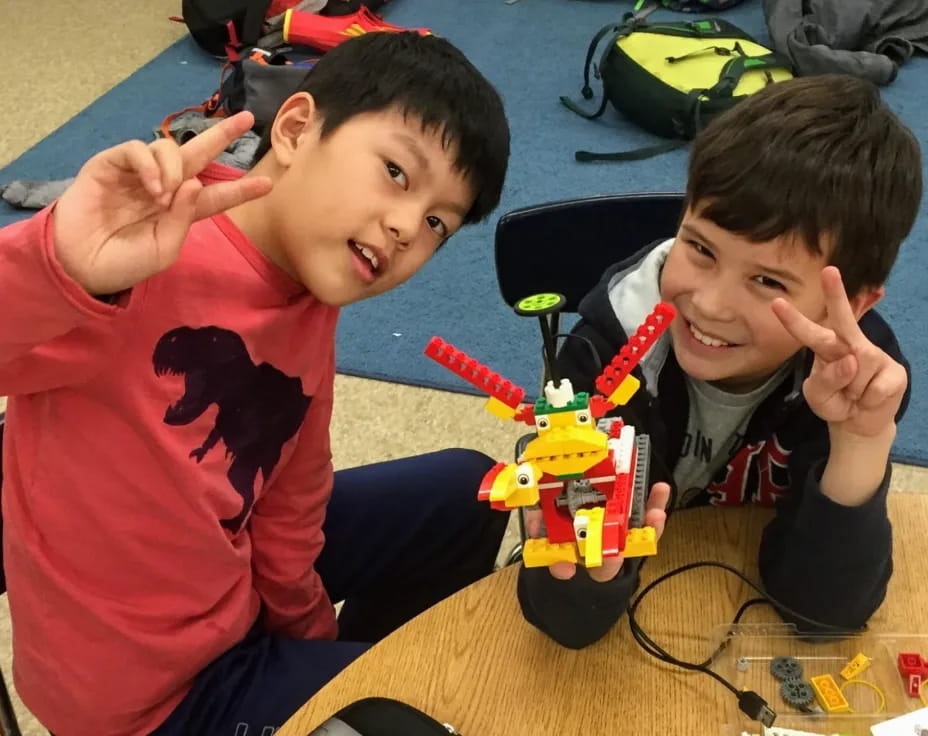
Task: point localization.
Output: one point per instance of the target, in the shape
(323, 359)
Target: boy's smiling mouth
(369, 261)
(706, 339)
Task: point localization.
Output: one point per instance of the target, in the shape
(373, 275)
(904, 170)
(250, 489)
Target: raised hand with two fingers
(126, 215)
(854, 386)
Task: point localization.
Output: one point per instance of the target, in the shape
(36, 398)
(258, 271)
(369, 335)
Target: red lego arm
(475, 373)
(631, 353)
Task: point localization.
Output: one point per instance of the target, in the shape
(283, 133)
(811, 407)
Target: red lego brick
(487, 483)
(633, 351)
(911, 663)
(474, 372)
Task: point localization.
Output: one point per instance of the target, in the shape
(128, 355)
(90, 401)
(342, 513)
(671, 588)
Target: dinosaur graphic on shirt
(259, 406)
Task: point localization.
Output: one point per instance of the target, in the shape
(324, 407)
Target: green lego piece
(581, 401)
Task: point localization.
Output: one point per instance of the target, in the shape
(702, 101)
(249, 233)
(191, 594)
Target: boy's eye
(769, 283)
(438, 226)
(700, 249)
(396, 173)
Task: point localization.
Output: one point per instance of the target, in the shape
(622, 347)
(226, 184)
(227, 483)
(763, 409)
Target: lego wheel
(539, 305)
(797, 693)
(786, 668)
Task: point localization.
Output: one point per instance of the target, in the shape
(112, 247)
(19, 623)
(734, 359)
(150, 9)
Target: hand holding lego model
(654, 516)
(588, 479)
(126, 215)
(854, 386)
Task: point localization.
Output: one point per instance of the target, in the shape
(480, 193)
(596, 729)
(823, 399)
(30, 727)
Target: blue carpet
(533, 51)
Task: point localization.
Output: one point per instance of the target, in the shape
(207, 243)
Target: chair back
(565, 247)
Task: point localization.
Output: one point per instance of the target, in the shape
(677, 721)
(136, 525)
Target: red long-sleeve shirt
(135, 433)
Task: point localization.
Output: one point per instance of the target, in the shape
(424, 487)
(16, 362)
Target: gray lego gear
(786, 668)
(742, 664)
(797, 693)
(577, 494)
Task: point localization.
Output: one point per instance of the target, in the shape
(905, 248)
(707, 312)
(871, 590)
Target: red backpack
(217, 25)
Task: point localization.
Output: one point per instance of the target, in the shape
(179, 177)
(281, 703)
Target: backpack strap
(733, 71)
(630, 22)
(587, 91)
(636, 155)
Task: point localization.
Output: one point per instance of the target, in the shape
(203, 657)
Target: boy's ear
(295, 120)
(865, 300)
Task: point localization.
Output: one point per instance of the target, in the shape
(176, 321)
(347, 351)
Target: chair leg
(515, 555)
(8, 724)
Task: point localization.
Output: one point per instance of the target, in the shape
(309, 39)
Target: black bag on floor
(214, 24)
(673, 78)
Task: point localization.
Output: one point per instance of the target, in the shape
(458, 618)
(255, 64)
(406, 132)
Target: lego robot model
(588, 475)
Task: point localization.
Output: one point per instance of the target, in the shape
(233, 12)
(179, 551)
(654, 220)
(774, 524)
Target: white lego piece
(560, 396)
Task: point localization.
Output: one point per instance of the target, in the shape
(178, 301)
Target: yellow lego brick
(625, 391)
(591, 547)
(567, 450)
(855, 666)
(641, 542)
(541, 553)
(506, 490)
(828, 694)
(498, 409)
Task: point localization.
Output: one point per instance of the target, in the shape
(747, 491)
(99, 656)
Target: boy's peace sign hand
(854, 386)
(654, 515)
(127, 213)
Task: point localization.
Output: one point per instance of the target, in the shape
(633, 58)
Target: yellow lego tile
(641, 542)
(498, 409)
(856, 666)
(625, 391)
(828, 694)
(541, 553)
(591, 548)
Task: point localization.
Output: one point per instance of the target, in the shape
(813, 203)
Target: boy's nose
(712, 305)
(403, 224)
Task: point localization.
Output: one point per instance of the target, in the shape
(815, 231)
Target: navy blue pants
(400, 536)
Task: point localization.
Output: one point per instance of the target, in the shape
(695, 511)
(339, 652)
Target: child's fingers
(608, 570)
(820, 340)
(830, 379)
(205, 147)
(173, 225)
(533, 519)
(659, 497)
(886, 387)
(840, 315)
(868, 366)
(167, 155)
(137, 158)
(218, 198)
(563, 570)
(656, 518)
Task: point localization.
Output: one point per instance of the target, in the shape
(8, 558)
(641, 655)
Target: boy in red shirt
(175, 535)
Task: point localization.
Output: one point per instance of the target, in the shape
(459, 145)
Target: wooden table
(474, 662)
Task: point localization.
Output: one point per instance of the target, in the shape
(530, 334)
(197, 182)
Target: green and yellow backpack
(673, 78)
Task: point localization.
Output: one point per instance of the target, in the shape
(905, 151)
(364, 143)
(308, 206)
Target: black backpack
(216, 24)
(672, 79)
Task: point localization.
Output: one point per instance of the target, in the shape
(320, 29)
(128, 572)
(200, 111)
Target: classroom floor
(51, 77)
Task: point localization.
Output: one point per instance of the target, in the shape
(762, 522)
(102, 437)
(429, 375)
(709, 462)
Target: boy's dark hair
(425, 77)
(820, 157)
